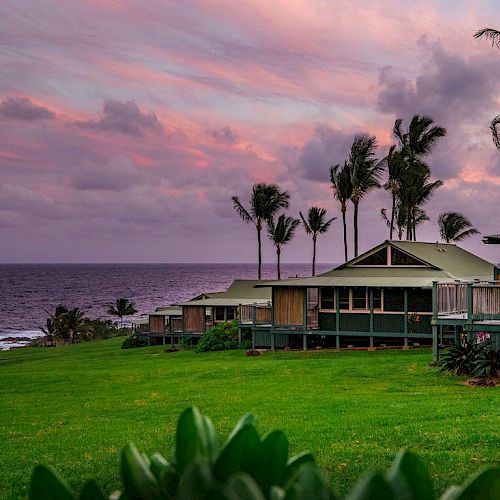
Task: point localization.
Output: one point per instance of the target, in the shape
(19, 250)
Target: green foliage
(133, 341)
(220, 337)
(471, 358)
(122, 307)
(251, 467)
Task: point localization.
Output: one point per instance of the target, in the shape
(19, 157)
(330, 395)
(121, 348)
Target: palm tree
(265, 202)
(455, 227)
(122, 307)
(315, 224)
(395, 165)
(493, 36)
(72, 323)
(420, 138)
(365, 172)
(281, 233)
(342, 190)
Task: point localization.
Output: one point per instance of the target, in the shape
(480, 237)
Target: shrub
(133, 341)
(251, 467)
(472, 358)
(220, 337)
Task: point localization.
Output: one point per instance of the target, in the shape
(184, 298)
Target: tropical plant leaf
(138, 480)
(372, 487)
(46, 484)
(484, 484)
(409, 477)
(91, 491)
(197, 481)
(270, 468)
(308, 483)
(241, 486)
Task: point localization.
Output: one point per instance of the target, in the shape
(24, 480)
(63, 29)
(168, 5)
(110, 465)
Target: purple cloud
(126, 118)
(22, 108)
(225, 135)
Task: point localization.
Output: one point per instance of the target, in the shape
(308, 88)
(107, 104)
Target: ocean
(29, 292)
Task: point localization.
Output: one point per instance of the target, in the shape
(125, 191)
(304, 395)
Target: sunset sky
(126, 126)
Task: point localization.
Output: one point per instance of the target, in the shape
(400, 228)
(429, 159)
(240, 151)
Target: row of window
(387, 299)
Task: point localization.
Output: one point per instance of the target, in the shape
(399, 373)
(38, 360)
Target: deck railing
(473, 300)
(312, 318)
(452, 298)
(256, 314)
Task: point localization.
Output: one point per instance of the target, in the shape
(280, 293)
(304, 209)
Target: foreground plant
(251, 467)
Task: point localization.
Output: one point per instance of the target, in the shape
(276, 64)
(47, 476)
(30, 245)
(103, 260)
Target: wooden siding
(327, 321)
(352, 322)
(389, 323)
(157, 324)
(263, 315)
(263, 340)
(175, 324)
(288, 304)
(193, 319)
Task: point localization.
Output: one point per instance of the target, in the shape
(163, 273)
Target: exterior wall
(288, 306)
(157, 324)
(193, 319)
(263, 315)
(263, 339)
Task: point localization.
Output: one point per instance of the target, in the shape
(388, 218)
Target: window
(420, 300)
(399, 258)
(231, 313)
(328, 298)
(219, 314)
(359, 297)
(375, 259)
(344, 298)
(377, 299)
(394, 299)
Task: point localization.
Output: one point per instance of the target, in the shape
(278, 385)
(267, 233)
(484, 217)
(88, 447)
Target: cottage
(388, 295)
(201, 313)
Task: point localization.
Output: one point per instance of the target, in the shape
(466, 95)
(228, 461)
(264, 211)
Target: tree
(265, 202)
(494, 37)
(455, 227)
(315, 224)
(395, 166)
(122, 307)
(71, 323)
(420, 138)
(342, 190)
(414, 185)
(281, 233)
(365, 172)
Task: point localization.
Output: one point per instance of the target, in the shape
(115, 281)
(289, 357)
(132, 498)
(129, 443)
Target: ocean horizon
(30, 292)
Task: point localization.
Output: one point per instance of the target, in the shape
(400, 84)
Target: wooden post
(272, 340)
(370, 298)
(405, 297)
(337, 310)
(435, 314)
(239, 336)
(337, 342)
(435, 343)
(254, 313)
(253, 338)
(304, 342)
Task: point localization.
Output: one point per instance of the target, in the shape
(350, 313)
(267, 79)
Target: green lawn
(74, 408)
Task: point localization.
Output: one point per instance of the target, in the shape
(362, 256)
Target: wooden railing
(452, 298)
(473, 300)
(256, 314)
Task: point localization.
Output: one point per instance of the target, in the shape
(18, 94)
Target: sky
(127, 126)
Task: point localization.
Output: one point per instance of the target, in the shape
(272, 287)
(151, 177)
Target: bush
(133, 341)
(251, 467)
(472, 358)
(220, 337)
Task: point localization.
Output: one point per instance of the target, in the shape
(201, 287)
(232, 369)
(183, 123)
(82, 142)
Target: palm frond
(241, 210)
(495, 131)
(489, 34)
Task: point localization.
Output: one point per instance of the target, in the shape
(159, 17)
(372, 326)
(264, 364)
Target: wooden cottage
(200, 314)
(386, 296)
(164, 323)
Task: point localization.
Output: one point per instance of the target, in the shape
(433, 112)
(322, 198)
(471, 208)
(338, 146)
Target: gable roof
(440, 262)
(239, 292)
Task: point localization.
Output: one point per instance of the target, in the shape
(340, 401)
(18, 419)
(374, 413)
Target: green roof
(442, 262)
(167, 311)
(239, 292)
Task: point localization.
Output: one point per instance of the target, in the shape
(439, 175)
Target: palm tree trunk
(393, 213)
(343, 209)
(278, 253)
(259, 243)
(356, 206)
(314, 256)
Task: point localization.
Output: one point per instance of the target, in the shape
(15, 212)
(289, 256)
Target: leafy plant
(250, 467)
(133, 341)
(220, 337)
(472, 358)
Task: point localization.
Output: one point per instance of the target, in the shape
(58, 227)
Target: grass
(75, 407)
